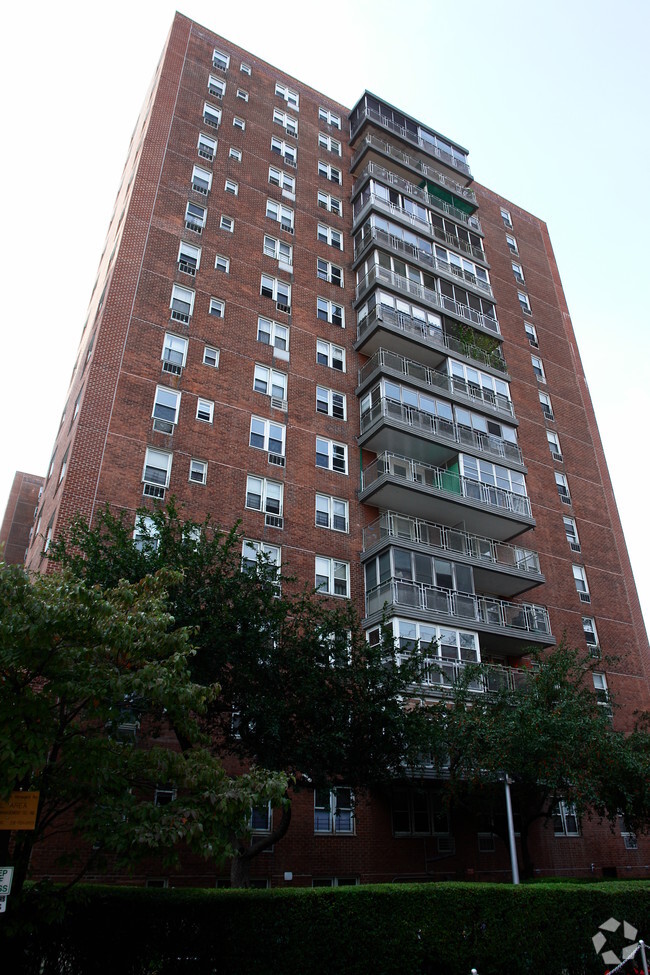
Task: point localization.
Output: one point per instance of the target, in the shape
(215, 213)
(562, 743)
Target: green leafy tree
(89, 680)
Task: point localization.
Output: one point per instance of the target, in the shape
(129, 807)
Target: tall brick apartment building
(312, 319)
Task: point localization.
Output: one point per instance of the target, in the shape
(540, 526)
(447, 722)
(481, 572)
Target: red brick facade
(18, 519)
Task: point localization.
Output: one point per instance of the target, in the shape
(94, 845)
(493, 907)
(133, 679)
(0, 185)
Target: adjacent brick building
(18, 521)
(312, 319)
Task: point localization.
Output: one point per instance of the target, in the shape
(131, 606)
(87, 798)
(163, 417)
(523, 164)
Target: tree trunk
(240, 864)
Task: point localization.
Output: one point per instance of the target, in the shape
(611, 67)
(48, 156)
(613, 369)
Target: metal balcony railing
(431, 335)
(381, 275)
(363, 112)
(391, 361)
(464, 607)
(440, 674)
(441, 428)
(447, 482)
(487, 551)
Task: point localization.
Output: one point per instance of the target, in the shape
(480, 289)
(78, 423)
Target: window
(227, 224)
(166, 404)
(198, 471)
(554, 444)
(174, 353)
(524, 301)
(222, 264)
(266, 496)
(600, 687)
(206, 147)
(330, 172)
(329, 272)
(204, 410)
(211, 115)
(189, 258)
(51, 467)
(290, 96)
(239, 123)
(330, 118)
(332, 577)
(195, 218)
(242, 94)
(571, 532)
(329, 144)
(419, 812)
(278, 290)
(220, 60)
(278, 178)
(182, 303)
(272, 333)
(565, 819)
(328, 235)
(289, 124)
(270, 382)
(333, 810)
(507, 219)
(157, 469)
(260, 818)
(217, 307)
(216, 86)
(211, 357)
(562, 487)
(77, 404)
(331, 403)
(328, 202)
(538, 368)
(288, 152)
(283, 215)
(330, 311)
(201, 180)
(269, 436)
(145, 534)
(518, 272)
(331, 456)
(234, 154)
(279, 250)
(254, 552)
(580, 579)
(332, 513)
(545, 403)
(512, 244)
(334, 882)
(48, 535)
(64, 465)
(531, 332)
(330, 355)
(231, 187)
(245, 68)
(591, 636)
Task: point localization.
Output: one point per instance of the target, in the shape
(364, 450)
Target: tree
(89, 680)
(310, 697)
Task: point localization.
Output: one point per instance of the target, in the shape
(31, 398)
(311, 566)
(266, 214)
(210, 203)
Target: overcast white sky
(551, 99)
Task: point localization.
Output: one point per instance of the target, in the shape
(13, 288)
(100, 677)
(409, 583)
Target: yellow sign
(20, 811)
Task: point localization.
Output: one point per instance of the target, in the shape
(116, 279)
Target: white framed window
(260, 819)
(245, 68)
(211, 115)
(288, 123)
(329, 144)
(204, 410)
(281, 214)
(267, 496)
(524, 301)
(332, 577)
(174, 354)
(531, 332)
(580, 579)
(216, 86)
(242, 94)
(211, 356)
(565, 819)
(235, 154)
(291, 97)
(198, 471)
(327, 235)
(64, 465)
(239, 123)
(330, 311)
(331, 456)
(77, 403)
(278, 249)
(222, 264)
(217, 308)
(330, 355)
(331, 403)
(554, 445)
(331, 173)
(181, 304)
(600, 687)
(332, 513)
(562, 487)
(231, 187)
(273, 334)
(253, 551)
(512, 244)
(267, 435)
(227, 224)
(547, 407)
(156, 473)
(163, 795)
(195, 217)
(331, 203)
(507, 219)
(166, 404)
(49, 532)
(327, 271)
(538, 368)
(591, 634)
(571, 532)
(288, 152)
(189, 258)
(220, 60)
(278, 290)
(206, 147)
(330, 118)
(51, 467)
(279, 178)
(334, 810)
(145, 534)
(271, 382)
(518, 272)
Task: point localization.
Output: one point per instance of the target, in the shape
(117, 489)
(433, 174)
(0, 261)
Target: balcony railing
(418, 329)
(447, 482)
(405, 186)
(487, 551)
(382, 275)
(440, 674)
(363, 112)
(421, 254)
(392, 362)
(441, 428)
(466, 607)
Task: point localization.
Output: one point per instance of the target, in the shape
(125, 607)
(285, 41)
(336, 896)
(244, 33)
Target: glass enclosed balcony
(439, 676)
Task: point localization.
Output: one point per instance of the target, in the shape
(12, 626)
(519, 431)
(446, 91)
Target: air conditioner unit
(163, 426)
(575, 546)
(153, 491)
(274, 521)
(279, 404)
(276, 459)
